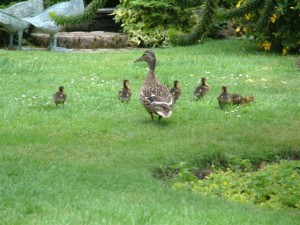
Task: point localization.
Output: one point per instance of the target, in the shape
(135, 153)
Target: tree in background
(275, 24)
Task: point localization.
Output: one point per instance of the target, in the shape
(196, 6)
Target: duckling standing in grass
(155, 97)
(60, 97)
(124, 94)
(224, 98)
(201, 89)
(175, 90)
(240, 100)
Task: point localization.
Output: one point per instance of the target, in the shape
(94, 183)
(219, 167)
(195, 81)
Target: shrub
(148, 22)
(275, 186)
(274, 24)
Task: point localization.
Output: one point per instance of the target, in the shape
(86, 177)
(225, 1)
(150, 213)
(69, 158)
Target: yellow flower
(284, 51)
(266, 45)
(245, 29)
(248, 16)
(239, 4)
(237, 29)
(273, 18)
(225, 183)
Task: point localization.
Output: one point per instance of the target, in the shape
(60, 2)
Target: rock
(83, 40)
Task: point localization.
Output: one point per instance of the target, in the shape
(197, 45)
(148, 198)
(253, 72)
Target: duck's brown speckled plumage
(176, 90)
(235, 99)
(224, 98)
(152, 87)
(239, 100)
(202, 89)
(60, 97)
(124, 94)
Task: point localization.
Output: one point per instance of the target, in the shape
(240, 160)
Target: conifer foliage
(273, 23)
(88, 14)
(202, 27)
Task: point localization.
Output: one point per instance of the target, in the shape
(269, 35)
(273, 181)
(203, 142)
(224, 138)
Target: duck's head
(148, 56)
(249, 98)
(203, 81)
(61, 88)
(126, 84)
(176, 83)
(224, 89)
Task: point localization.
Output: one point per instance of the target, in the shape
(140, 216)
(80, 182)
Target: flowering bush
(148, 22)
(274, 24)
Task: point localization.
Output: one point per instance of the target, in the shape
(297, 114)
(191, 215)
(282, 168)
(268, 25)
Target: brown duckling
(175, 90)
(60, 97)
(155, 97)
(224, 98)
(124, 94)
(202, 89)
(239, 100)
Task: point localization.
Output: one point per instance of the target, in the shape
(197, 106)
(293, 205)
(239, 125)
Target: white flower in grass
(240, 75)
(238, 116)
(207, 72)
(247, 76)
(235, 83)
(33, 97)
(283, 82)
(263, 79)
(223, 77)
(23, 96)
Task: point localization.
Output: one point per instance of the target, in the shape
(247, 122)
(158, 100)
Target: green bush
(275, 185)
(148, 22)
(274, 24)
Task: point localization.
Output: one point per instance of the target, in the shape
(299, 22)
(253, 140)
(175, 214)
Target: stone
(83, 40)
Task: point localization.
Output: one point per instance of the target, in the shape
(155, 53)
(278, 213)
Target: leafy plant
(148, 22)
(274, 185)
(274, 24)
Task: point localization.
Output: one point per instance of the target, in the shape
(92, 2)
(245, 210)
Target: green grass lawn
(92, 162)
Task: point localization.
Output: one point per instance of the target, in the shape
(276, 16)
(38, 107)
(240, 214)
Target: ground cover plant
(94, 161)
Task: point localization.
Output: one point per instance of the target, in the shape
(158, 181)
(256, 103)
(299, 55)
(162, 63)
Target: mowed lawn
(93, 161)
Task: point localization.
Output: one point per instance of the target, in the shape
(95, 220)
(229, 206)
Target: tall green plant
(201, 29)
(148, 22)
(88, 14)
(273, 23)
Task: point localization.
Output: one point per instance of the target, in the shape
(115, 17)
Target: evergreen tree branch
(263, 22)
(202, 27)
(188, 3)
(88, 14)
(249, 6)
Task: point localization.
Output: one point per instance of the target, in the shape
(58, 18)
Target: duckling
(201, 89)
(124, 94)
(155, 97)
(224, 98)
(175, 90)
(60, 97)
(239, 100)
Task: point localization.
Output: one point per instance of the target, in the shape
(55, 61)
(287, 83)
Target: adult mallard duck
(224, 98)
(155, 97)
(239, 100)
(124, 94)
(60, 97)
(201, 89)
(175, 90)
